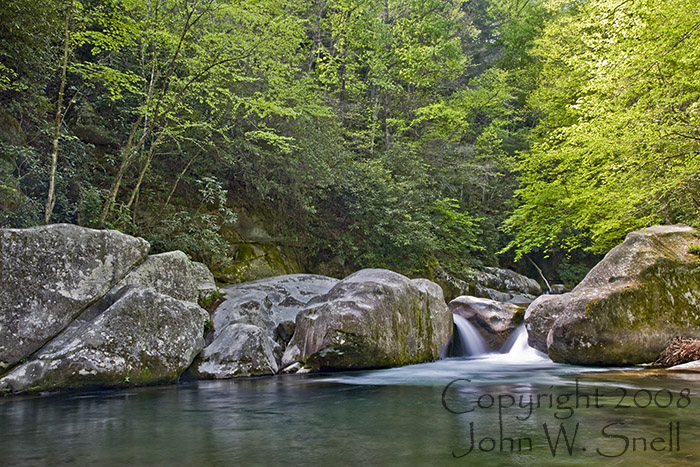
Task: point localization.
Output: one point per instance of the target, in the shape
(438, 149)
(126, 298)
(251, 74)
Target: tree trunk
(51, 197)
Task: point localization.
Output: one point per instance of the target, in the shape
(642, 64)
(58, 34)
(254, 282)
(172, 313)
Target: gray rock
(513, 282)
(169, 273)
(207, 291)
(50, 274)
(142, 337)
(240, 350)
(644, 293)
(267, 306)
(372, 318)
(540, 316)
(501, 285)
(494, 320)
(268, 302)
(522, 300)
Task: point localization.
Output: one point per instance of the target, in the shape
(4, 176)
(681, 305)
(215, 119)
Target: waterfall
(468, 342)
(516, 348)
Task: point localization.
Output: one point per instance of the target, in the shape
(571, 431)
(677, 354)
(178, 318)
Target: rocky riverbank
(83, 308)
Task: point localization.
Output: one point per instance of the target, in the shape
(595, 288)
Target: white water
(471, 342)
(514, 350)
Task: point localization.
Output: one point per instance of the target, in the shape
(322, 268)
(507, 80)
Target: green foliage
(366, 133)
(618, 149)
(694, 249)
(456, 235)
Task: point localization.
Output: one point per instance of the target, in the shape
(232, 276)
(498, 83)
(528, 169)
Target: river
(444, 413)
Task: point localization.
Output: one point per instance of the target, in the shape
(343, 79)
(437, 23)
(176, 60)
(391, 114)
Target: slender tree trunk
(144, 169)
(149, 126)
(126, 160)
(177, 181)
(541, 273)
(51, 196)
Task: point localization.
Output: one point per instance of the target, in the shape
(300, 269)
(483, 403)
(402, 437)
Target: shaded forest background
(403, 134)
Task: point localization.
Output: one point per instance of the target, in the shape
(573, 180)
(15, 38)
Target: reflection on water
(402, 416)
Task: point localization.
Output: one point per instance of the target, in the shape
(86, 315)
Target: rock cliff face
(372, 318)
(88, 308)
(645, 292)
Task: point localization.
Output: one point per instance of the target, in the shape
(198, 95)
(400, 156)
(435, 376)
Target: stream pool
(437, 414)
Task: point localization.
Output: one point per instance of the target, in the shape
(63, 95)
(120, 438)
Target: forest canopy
(367, 133)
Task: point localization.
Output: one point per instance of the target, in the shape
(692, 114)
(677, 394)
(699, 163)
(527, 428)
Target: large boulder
(207, 291)
(540, 317)
(135, 336)
(254, 323)
(372, 318)
(50, 274)
(495, 321)
(268, 302)
(645, 292)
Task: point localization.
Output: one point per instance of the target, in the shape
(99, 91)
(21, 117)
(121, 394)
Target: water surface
(386, 417)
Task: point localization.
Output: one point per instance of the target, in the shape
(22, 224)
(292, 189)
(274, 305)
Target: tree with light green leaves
(619, 145)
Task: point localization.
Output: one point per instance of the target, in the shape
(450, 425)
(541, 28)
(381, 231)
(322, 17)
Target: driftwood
(680, 350)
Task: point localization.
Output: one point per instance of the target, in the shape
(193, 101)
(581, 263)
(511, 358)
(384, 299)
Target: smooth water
(403, 416)
(469, 342)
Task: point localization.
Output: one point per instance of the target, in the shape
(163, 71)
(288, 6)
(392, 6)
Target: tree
(618, 148)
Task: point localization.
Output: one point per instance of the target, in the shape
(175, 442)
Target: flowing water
(510, 408)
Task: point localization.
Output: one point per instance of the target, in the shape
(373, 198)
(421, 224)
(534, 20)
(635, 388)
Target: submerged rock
(495, 321)
(137, 336)
(645, 292)
(372, 318)
(269, 308)
(50, 274)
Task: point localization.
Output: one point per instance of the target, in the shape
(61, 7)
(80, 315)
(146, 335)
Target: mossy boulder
(136, 336)
(495, 321)
(371, 319)
(50, 274)
(644, 293)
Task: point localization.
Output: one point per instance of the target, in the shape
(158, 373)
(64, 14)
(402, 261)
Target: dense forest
(364, 133)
